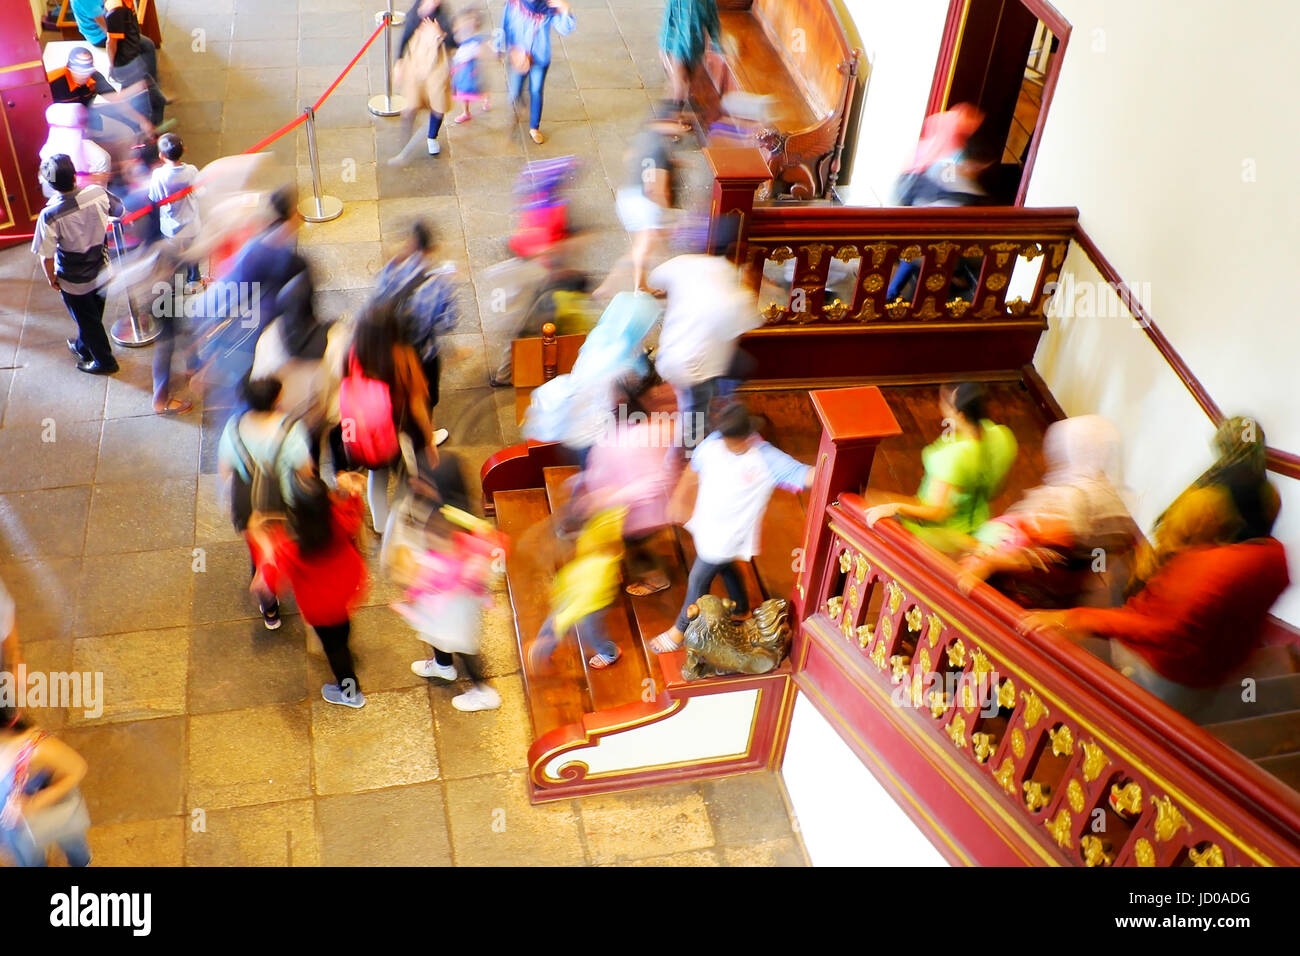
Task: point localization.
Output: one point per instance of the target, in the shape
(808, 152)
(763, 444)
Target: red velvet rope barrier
(262, 143)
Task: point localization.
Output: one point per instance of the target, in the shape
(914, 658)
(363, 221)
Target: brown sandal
(174, 406)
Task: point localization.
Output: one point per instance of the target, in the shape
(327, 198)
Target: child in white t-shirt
(178, 220)
(735, 472)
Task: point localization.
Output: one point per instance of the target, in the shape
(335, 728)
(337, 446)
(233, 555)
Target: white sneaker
(478, 697)
(434, 148)
(440, 436)
(431, 668)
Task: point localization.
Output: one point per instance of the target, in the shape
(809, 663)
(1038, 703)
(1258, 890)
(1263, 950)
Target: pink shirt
(639, 464)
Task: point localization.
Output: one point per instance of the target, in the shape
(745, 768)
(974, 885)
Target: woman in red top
(318, 556)
(1199, 616)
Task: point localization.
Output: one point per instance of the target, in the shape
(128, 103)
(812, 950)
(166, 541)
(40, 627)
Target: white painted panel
(707, 727)
(844, 816)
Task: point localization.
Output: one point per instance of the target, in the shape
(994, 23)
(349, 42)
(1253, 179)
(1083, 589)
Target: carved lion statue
(715, 645)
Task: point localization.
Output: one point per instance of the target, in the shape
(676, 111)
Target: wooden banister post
(550, 352)
(854, 421)
(737, 173)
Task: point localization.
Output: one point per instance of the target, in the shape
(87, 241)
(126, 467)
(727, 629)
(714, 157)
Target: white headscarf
(67, 122)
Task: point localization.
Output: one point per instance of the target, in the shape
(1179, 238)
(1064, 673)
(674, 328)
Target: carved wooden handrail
(871, 244)
(1099, 772)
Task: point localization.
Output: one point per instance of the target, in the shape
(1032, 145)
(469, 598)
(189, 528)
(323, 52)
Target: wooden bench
(798, 53)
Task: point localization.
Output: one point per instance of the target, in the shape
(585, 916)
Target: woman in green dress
(688, 25)
(964, 470)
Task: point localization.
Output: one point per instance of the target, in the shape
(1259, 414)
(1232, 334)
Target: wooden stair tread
(655, 613)
(557, 695)
(1272, 694)
(1266, 735)
(1286, 768)
(557, 489)
(624, 682)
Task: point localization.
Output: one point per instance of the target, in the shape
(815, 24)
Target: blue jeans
(536, 80)
(18, 844)
(701, 579)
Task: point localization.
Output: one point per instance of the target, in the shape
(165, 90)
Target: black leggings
(334, 638)
(473, 665)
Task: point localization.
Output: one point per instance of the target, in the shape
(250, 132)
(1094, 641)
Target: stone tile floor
(214, 747)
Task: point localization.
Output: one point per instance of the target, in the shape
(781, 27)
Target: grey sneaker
(350, 697)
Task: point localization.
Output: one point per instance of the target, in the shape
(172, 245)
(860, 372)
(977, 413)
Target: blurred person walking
(527, 26)
(687, 28)
(423, 73)
(40, 803)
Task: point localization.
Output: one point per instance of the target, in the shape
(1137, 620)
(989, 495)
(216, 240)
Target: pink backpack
(366, 414)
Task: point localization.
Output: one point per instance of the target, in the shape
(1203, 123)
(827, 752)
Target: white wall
(900, 43)
(1164, 110)
(844, 816)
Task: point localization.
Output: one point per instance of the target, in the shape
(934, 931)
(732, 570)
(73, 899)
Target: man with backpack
(262, 454)
(425, 303)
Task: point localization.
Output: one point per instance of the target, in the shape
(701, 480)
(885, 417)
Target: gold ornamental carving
(957, 731)
(853, 596)
(835, 311)
(914, 618)
(934, 625)
(1062, 741)
(886, 631)
(1059, 828)
(781, 255)
(847, 253)
(860, 568)
(911, 252)
(1006, 776)
(868, 312)
(846, 561)
(899, 665)
(1212, 856)
(1003, 250)
(935, 282)
(772, 313)
(1017, 307)
(1094, 761)
(1094, 852)
(1169, 819)
(1034, 709)
(865, 634)
(995, 282)
(878, 655)
(1058, 254)
(874, 282)
(957, 308)
(814, 252)
(928, 310)
(1074, 796)
(1126, 800)
(942, 250)
(984, 745)
(924, 659)
(980, 664)
(1036, 795)
(1031, 252)
(1018, 743)
(835, 606)
(957, 653)
(1144, 853)
(968, 700)
(846, 627)
(989, 309)
(916, 691)
(895, 596)
(938, 704)
(878, 252)
(1007, 694)
(897, 309)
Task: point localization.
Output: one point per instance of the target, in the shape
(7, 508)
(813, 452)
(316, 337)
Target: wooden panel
(781, 537)
(557, 485)
(526, 359)
(556, 693)
(1286, 769)
(812, 42)
(756, 66)
(1267, 735)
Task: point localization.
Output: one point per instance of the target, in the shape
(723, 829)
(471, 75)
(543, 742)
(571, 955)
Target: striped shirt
(71, 230)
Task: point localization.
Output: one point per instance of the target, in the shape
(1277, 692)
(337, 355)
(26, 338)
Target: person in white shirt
(732, 475)
(67, 122)
(708, 309)
(178, 219)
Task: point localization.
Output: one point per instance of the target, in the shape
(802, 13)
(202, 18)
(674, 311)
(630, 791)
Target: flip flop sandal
(600, 661)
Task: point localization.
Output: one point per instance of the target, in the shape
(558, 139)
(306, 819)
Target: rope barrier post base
(317, 207)
(131, 331)
(385, 103)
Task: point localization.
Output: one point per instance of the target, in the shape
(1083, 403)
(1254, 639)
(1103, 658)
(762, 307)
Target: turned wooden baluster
(550, 352)
(737, 174)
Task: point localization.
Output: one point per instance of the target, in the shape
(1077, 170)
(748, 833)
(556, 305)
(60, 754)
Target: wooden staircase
(1262, 724)
(576, 708)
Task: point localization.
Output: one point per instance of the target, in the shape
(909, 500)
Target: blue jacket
(532, 31)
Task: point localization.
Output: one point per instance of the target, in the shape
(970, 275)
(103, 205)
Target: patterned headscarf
(1241, 471)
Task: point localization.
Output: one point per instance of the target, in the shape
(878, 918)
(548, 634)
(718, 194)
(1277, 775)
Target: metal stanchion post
(131, 330)
(316, 207)
(396, 17)
(387, 104)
